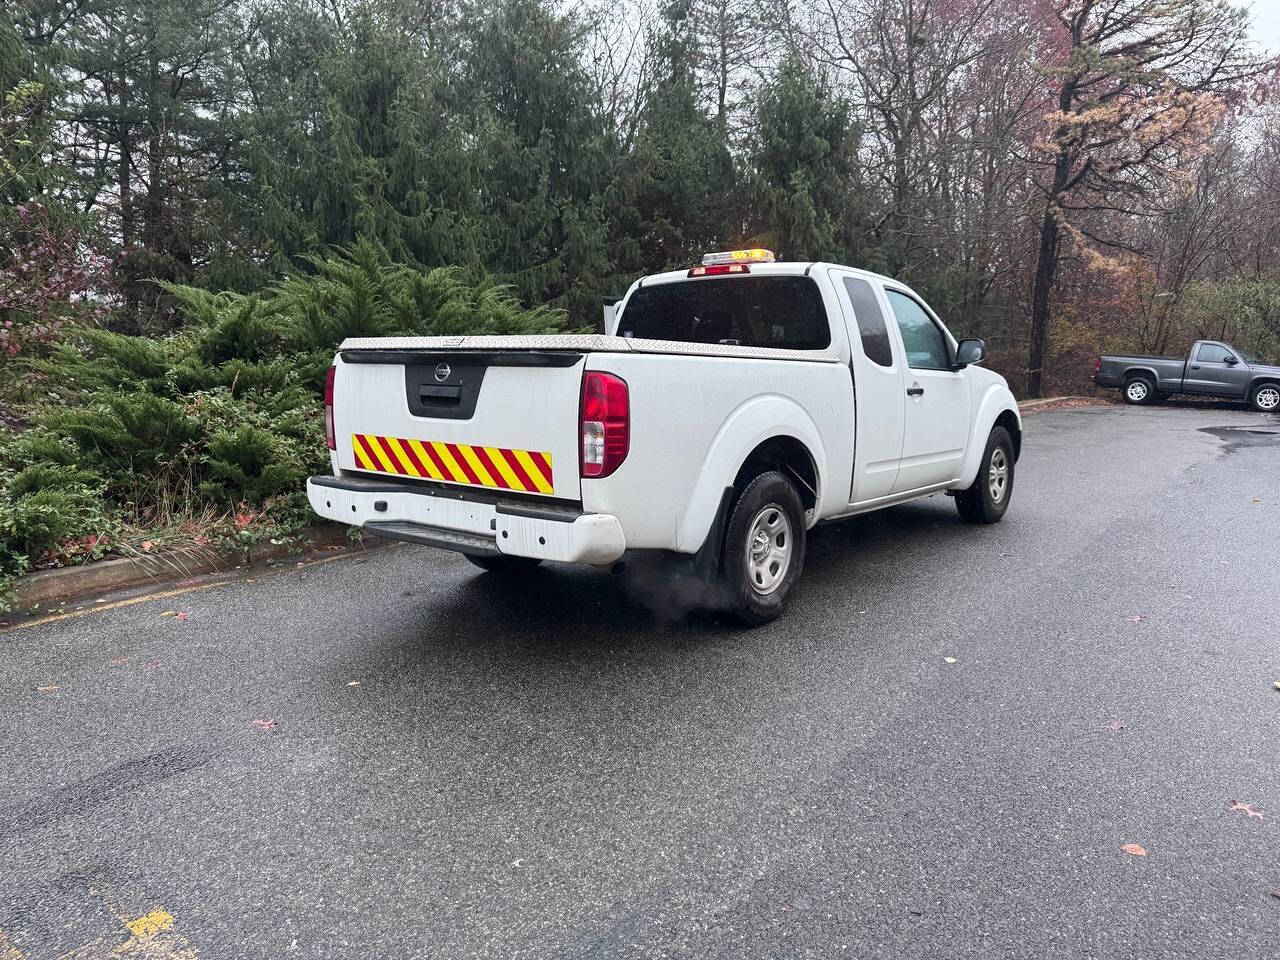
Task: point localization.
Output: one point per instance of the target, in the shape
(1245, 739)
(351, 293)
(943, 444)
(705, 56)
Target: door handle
(915, 390)
(1195, 366)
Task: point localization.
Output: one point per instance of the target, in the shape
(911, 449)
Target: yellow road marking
(7, 950)
(149, 924)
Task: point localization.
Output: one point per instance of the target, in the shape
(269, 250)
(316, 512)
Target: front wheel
(1265, 397)
(987, 498)
(764, 548)
(492, 563)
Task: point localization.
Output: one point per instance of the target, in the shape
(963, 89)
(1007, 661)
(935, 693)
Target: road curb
(47, 588)
(1035, 404)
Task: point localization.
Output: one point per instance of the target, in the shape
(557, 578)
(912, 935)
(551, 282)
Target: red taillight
(719, 269)
(605, 423)
(329, 436)
(1097, 365)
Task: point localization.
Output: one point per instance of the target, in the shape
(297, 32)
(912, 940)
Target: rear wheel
(987, 498)
(502, 564)
(1139, 390)
(1265, 397)
(764, 548)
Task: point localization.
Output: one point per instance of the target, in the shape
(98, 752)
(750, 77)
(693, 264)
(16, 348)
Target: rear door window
(872, 329)
(784, 312)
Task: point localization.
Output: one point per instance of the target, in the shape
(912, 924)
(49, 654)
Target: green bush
(131, 435)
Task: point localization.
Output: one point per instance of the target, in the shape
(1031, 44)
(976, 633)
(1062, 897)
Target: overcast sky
(1266, 23)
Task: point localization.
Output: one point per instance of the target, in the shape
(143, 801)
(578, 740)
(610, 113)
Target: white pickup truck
(726, 410)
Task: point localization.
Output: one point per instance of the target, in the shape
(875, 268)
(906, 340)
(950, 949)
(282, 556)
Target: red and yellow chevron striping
(526, 470)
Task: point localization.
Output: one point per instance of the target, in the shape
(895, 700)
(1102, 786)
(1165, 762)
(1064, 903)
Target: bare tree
(1139, 85)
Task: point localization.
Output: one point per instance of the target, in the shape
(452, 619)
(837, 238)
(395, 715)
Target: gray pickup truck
(1212, 369)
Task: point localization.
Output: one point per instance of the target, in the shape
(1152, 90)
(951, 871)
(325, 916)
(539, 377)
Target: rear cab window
(780, 311)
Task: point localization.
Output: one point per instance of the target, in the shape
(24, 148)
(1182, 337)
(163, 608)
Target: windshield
(772, 311)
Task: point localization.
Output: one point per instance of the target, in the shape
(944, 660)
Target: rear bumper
(466, 521)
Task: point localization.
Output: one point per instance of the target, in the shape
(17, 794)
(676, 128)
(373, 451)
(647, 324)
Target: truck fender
(995, 401)
(1149, 371)
(750, 424)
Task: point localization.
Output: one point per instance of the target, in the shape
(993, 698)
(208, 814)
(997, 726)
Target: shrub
(223, 418)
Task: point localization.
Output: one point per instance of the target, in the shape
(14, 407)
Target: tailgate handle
(440, 394)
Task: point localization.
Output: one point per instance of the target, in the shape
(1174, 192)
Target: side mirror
(1229, 360)
(970, 351)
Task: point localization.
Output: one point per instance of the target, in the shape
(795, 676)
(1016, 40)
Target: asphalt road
(395, 756)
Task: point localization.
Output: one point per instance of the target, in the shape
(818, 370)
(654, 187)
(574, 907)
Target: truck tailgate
(505, 420)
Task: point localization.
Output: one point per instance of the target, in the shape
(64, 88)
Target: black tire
(501, 564)
(751, 593)
(1139, 391)
(978, 503)
(1265, 398)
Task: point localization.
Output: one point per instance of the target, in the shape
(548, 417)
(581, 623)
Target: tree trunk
(1046, 268)
(1046, 272)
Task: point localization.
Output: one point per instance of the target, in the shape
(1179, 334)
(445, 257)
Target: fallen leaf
(948, 659)
(1276, 894)
(183, 616)
(49, 689)
(1138, 619)
(264, 723)
(1277, 684)
(201, 540)
(147, 546)
(119, 661)
(1257, 499)
(353, 683)
(1134, 849)
(1115, 726)
(244, 519)
(154, 665)
(1246, 808)
(169, 613)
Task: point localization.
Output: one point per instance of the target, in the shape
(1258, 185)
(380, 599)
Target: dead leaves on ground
(1134, 849)
(1247, 809)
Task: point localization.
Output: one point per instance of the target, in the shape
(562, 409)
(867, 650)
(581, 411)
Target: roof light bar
(756, 255)
(719, 269)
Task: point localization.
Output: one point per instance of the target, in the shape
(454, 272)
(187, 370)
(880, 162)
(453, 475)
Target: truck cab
(727, 408)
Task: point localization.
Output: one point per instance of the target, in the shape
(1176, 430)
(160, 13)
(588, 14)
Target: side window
(870, 318)
(924, 343)
(1213, 353)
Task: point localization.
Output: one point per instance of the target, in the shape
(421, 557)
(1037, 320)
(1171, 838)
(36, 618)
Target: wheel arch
(996, 408)
(1009, 420)
(790, 440)
(1147, 373)
(788, 456)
